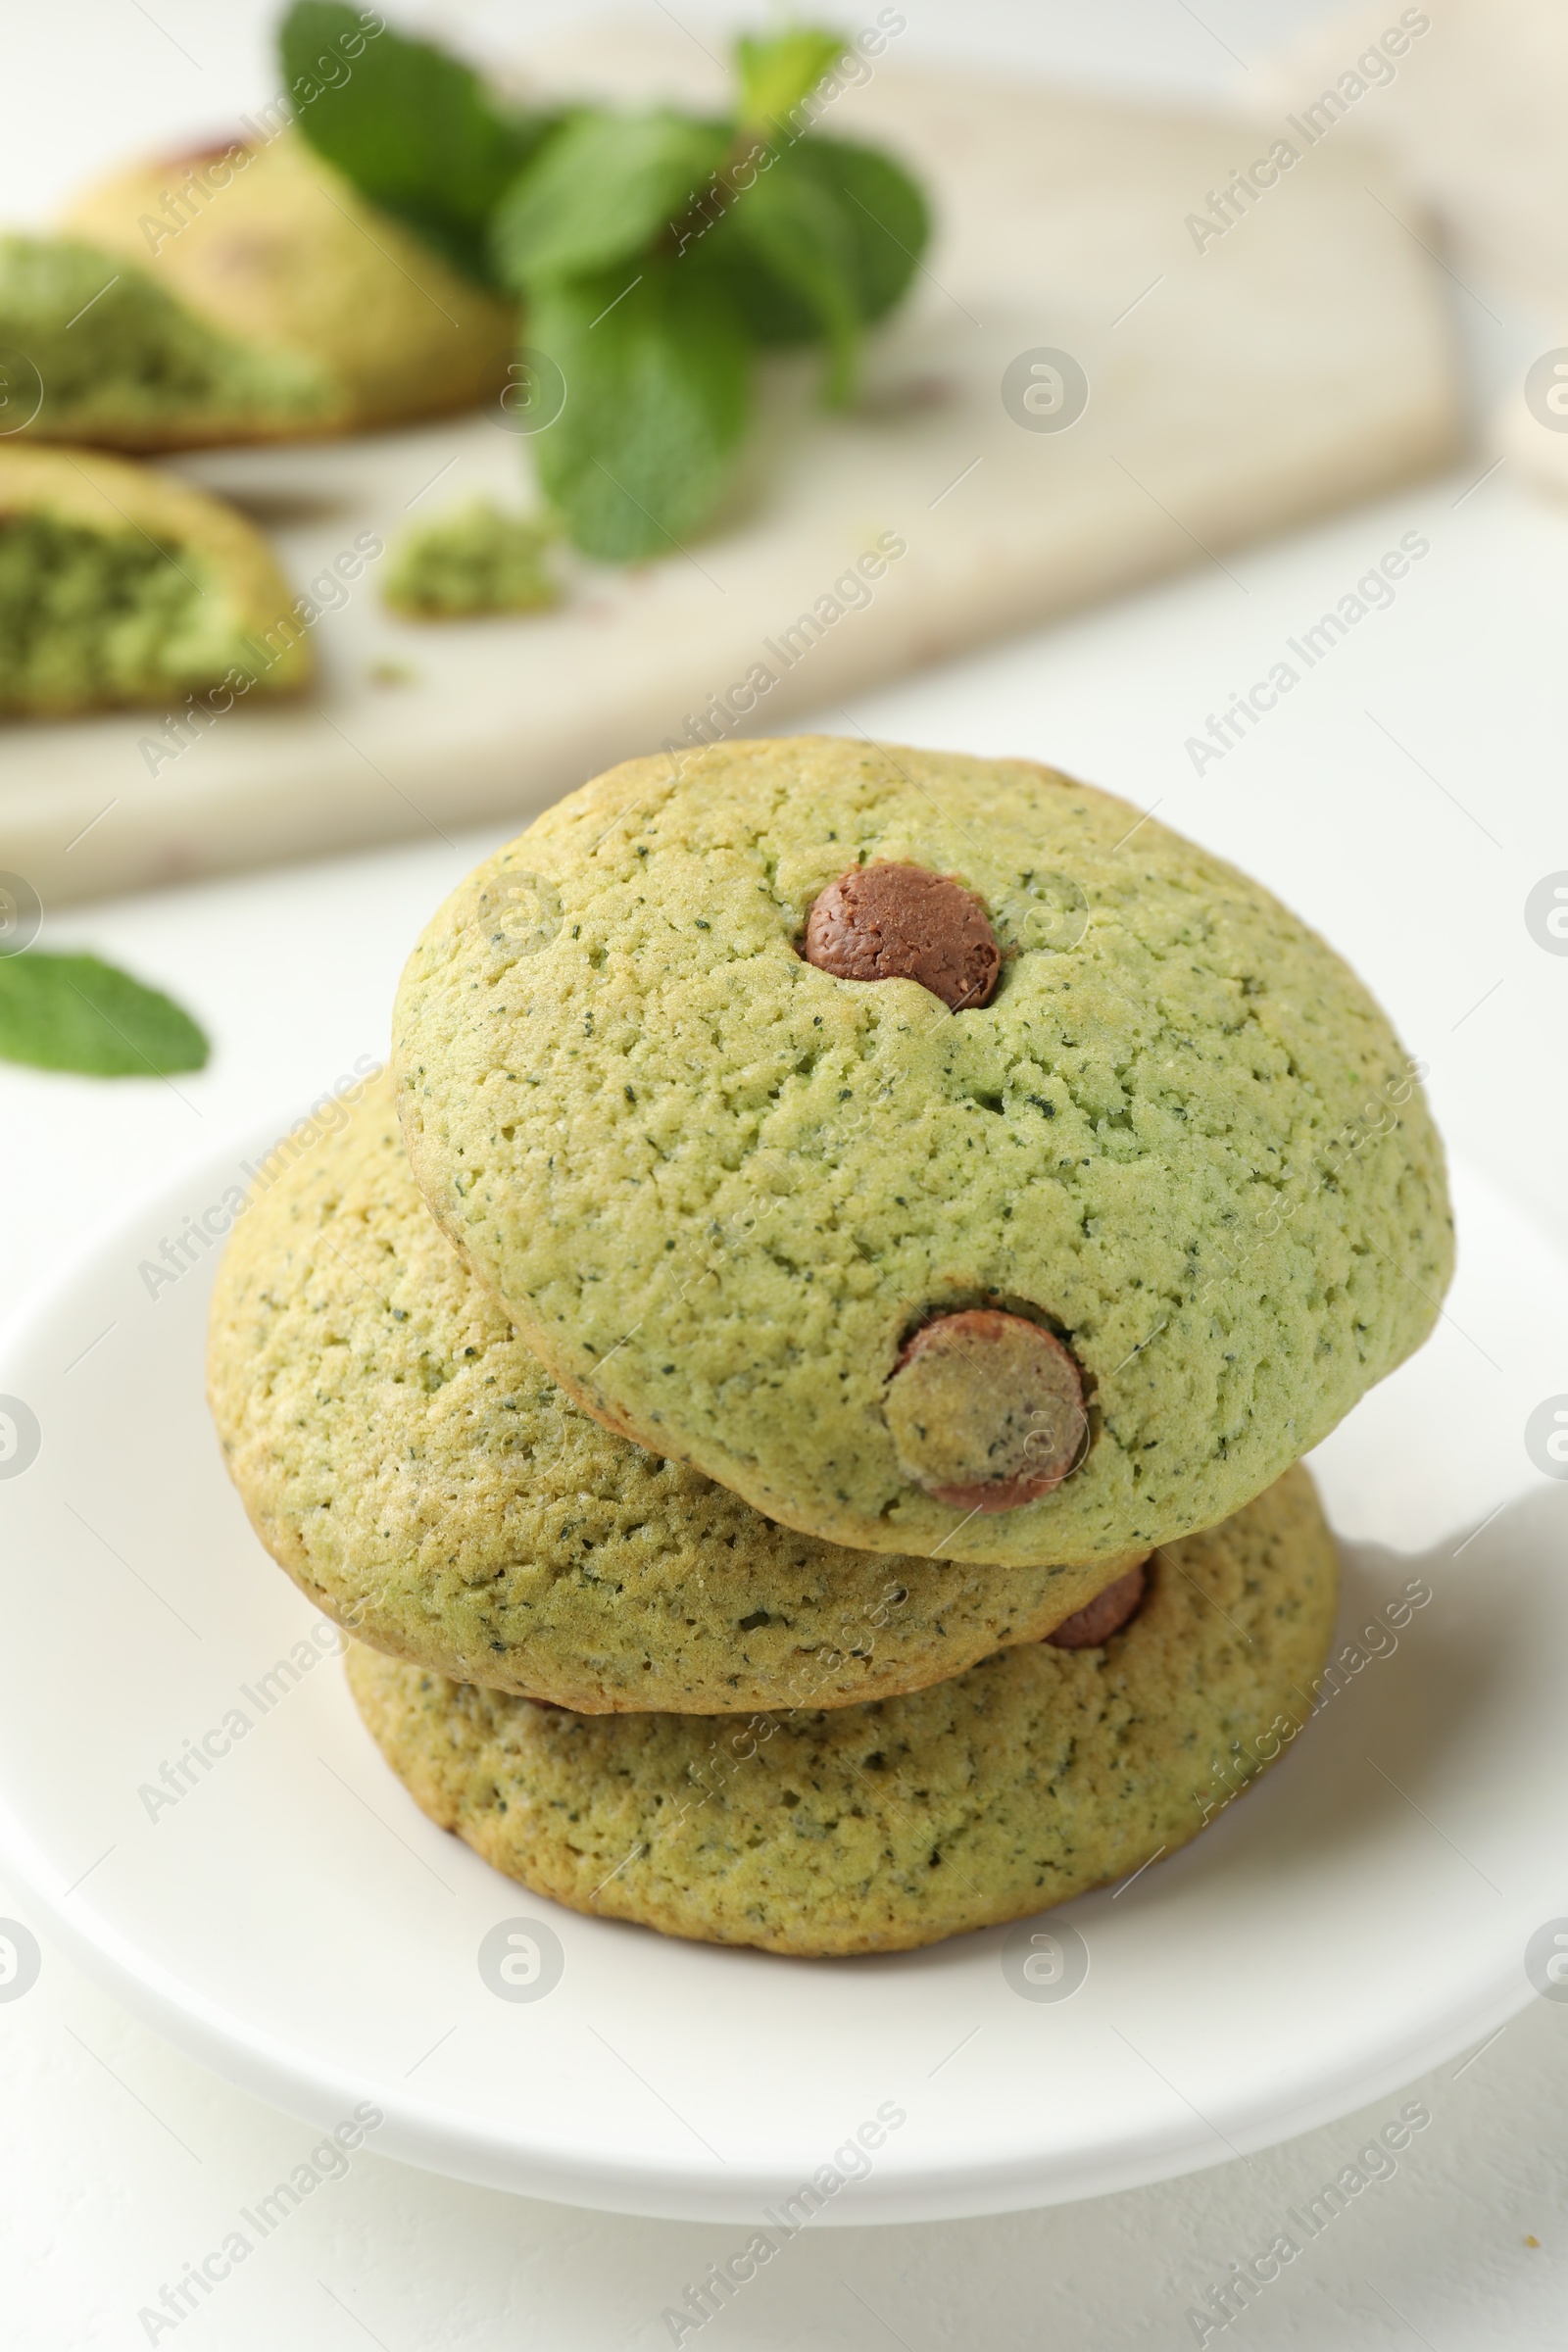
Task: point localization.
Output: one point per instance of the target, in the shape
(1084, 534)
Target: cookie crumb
(475, 560)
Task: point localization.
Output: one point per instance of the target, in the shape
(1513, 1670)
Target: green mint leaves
(655, 255)
(884, 218)
(658, 395)
(74, 1012)
(604, 188)
(836, 229)
(658, 254)
(775, 76)
(416, 131)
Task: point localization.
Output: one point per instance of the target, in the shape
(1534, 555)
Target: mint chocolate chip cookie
(1100, 1104)
(1037, 1774)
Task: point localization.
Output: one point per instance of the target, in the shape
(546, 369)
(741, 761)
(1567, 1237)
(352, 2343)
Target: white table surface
(1421, 773)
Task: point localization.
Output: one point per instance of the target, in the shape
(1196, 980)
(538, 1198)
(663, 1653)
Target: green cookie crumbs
(477, 559)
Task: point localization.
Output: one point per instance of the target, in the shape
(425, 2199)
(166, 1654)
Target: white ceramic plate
(294, 1921)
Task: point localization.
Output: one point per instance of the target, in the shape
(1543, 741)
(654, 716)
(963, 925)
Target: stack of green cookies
(795, 1379)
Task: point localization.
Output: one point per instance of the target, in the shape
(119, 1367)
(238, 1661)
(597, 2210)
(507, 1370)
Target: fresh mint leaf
(796, 226)
(415, 129)
(822, 243)
(602, 189)
(74, 1012)
(763, 304)
(776, 75)
(885, 215)
(658, 397)
(655, 251)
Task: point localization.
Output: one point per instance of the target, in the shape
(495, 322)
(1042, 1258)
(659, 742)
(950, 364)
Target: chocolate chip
(1087, 1627)
(902, 922)
(986, 1411)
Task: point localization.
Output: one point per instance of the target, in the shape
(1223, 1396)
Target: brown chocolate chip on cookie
(986, 1411)
(902, 922)
(1087, 1627)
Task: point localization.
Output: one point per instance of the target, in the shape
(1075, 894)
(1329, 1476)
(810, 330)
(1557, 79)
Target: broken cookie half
(265, 245)
(95, 349)
(119, 585)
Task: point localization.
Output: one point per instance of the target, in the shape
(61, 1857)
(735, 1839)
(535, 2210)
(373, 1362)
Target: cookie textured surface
(719, 1189)
(1031, 1778)
(123, 585)
(416, 1471)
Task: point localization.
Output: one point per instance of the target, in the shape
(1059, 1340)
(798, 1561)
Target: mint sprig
(76, 1013)
(782, 236)
(657, 254)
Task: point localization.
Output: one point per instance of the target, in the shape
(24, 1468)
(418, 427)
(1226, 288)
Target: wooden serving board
(1300, 360)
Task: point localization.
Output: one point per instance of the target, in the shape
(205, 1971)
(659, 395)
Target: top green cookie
(720, 1190)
